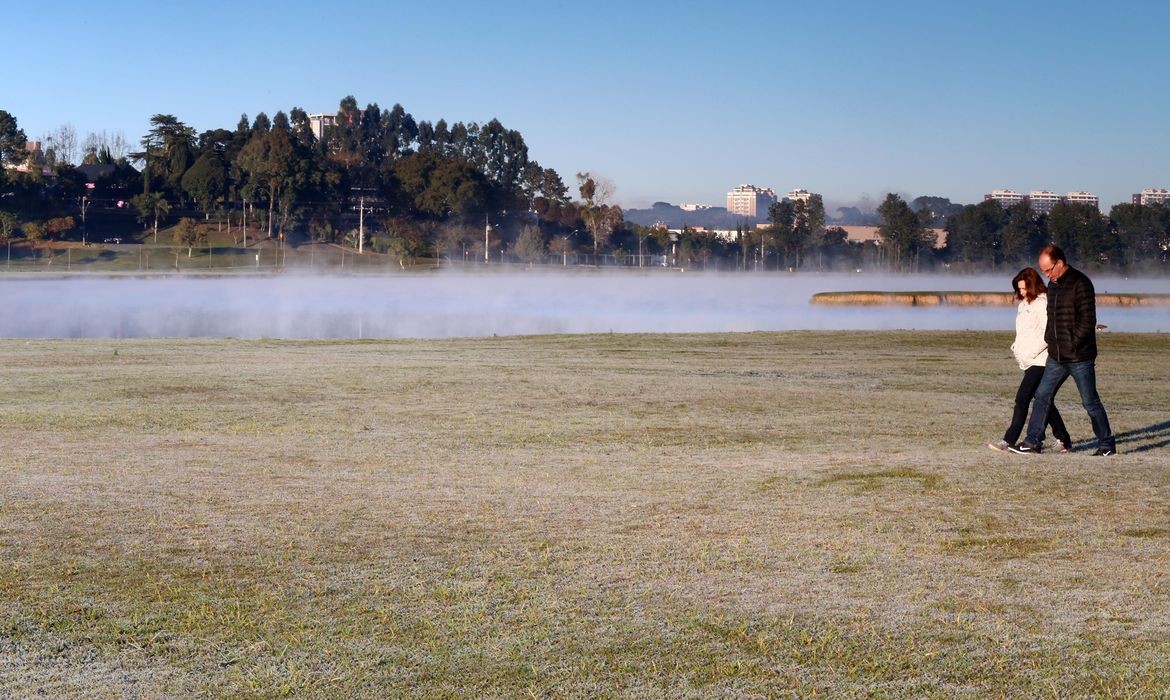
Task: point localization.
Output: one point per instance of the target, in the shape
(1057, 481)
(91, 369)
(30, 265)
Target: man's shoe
(1001, 446)
(1105, 452)
(1023, 448)
(1065, 447)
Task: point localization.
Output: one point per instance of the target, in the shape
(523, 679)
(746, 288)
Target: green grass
(225, 257)
(755, 515)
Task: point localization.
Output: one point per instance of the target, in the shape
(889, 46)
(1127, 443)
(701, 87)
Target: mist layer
(471, 305)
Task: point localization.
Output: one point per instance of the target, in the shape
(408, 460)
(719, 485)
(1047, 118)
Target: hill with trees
(380, 178)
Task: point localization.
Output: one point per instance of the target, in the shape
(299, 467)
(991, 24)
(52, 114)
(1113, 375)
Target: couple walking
(1056, 337)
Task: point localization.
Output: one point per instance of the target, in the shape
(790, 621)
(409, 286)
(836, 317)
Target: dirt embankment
(966, 299)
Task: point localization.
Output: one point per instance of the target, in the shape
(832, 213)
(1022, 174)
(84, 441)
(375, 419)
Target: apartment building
(319, 122)
(1083, 198)
(1005, 197)
(1153, 195)
(751, 201)
(1042, 201)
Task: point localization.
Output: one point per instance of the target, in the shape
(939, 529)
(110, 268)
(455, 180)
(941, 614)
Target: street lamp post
(361, 223)
(487, 229)
(85, 202)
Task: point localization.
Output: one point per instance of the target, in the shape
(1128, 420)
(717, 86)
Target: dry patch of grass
(869, 480)
(761, 515)
(998, 547)
(1146, 532)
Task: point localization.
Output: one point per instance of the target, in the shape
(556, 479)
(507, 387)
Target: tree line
(1131, 237)
(413, 189)
(420, 185)
(985, 236)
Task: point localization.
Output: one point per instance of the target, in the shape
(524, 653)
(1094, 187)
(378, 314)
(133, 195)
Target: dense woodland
(381, 181)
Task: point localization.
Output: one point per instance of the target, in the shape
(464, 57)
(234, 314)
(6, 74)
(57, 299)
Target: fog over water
(444, 305)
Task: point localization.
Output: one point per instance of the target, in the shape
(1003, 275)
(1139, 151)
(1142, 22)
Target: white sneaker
(1000, 446)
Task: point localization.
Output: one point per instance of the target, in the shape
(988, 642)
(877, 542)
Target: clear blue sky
(673, 101)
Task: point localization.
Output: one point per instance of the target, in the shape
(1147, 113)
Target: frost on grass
(651, 516)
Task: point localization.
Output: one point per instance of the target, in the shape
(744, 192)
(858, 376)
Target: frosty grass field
(730, 515)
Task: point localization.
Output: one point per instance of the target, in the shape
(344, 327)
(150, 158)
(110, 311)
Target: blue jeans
(1024, 395)
(1085, 376)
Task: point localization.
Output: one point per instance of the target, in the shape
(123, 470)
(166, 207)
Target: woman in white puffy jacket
(1031, 353)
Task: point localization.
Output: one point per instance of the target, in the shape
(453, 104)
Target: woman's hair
(1033, 284)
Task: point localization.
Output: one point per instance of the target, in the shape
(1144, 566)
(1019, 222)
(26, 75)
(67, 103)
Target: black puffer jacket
(1072, 318)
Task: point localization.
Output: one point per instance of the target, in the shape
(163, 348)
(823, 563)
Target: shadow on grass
(1153, 437)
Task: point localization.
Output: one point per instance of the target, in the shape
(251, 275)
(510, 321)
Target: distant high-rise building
(1005, 197)
(1084, 198)
(799, 195)
(319, 122)
(1042, 201)
(749, 200)
(1152, 195)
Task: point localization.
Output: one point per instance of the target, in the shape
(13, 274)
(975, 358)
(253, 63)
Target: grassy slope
(756, 514)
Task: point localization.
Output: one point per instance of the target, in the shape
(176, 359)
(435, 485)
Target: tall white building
(319, 122)
(799, 195)
(1084, 198)
(749, 200)
(1005, 197)
(1042, 201)
(1153, 195)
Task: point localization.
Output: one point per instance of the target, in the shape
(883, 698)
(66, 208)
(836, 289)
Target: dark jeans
(1085, 375)
(1024, 394)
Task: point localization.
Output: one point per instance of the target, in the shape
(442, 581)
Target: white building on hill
(1005, 197)
(1083, 198)
(799, 195)
(1042, 201)
(1153, 195)
(749, 200)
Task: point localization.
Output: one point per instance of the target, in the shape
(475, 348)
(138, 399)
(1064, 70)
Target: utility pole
(487, 229)
(361, 217)
(361, 222)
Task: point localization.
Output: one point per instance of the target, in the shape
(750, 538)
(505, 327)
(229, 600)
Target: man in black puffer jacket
(1072, 350)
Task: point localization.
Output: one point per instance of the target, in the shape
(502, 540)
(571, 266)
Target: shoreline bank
(966, 299)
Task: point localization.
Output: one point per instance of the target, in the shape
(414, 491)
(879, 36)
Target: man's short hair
(1054, 253)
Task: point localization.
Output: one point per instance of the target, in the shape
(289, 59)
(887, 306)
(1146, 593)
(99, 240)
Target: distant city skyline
(675, 102)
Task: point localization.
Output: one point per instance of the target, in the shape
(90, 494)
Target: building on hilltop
(750, 201)
(1006, 198)
(34, 160)
(319, 122)
(1042, 201)
(799, 195)
(1152, 195)
(694, 207)
(1083, 198)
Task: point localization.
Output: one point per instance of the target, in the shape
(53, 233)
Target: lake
(443, 305)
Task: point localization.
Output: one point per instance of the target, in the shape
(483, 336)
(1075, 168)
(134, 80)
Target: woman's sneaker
(1023, 448)
(1065, 447)
(1001, 446)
